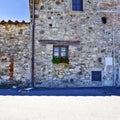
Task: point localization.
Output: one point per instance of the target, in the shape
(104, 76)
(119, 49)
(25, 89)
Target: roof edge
(14, 22)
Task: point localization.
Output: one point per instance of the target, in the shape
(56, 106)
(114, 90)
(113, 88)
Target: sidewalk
(62, 92)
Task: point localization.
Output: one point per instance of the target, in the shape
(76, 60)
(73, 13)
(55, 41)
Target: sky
(14, 10)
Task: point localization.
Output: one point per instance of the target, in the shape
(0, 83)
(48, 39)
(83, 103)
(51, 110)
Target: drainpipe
(33, 42)
(113, 37)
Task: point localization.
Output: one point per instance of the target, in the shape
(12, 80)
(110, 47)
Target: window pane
(77, 5)
(73, 7)
(56, 54)
(56, 49)
(63, 54)
(63, 48)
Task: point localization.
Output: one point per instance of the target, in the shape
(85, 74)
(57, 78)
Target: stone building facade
(76, 44)
(88, 35)
(14, 51)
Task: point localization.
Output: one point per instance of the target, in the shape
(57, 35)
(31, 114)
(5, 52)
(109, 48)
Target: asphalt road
(62, 92)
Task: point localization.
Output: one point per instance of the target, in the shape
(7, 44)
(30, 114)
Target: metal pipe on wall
(113, 37)
(33, 42)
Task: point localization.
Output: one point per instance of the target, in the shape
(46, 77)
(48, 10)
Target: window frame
(81, 2)
(59, 51)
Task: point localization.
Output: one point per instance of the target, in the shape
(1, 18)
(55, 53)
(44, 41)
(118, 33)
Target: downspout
(113, 37)
(33, 42)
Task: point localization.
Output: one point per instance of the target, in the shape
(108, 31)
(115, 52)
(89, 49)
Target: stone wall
(14, 51)
(93, 45)
(90, 42)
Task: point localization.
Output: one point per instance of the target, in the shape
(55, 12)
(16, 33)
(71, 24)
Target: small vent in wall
(104, 20)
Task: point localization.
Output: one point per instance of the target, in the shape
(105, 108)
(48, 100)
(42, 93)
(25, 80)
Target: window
(60, 51)
(60, 54)
(96, 76)
(77, 5)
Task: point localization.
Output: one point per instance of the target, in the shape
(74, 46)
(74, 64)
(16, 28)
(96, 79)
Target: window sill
(77, 12)
(61, 63)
